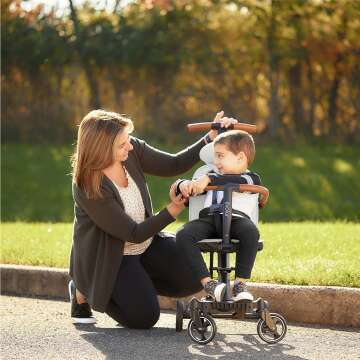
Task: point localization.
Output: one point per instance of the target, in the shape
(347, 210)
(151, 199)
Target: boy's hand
(186, 188)
(199, 185)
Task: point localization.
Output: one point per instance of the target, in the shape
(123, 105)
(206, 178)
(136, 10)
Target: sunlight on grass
(306, 253)
(343, 167)
(299, 162)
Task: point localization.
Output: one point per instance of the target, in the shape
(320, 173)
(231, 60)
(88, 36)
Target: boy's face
(227, 162)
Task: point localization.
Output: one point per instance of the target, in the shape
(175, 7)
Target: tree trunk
(333, 95)
(294, 76)
(89, 73)
(274, 108)
(354, 135)
(118, 88)
(338, 73)
(311, 97)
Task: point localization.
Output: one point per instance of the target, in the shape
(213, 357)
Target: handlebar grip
(261, 190)
(251, 129)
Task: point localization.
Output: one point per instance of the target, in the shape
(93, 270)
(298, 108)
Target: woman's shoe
(80, 313)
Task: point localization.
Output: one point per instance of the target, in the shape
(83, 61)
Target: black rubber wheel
(179, 315)
(204, 334)
(269, 336)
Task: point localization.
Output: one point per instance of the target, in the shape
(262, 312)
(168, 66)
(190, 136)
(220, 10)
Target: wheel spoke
(202, 334)
(269, 335)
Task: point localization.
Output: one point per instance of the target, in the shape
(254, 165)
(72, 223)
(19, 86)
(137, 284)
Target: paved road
(41, 329)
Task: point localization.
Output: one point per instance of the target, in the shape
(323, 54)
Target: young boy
(234, 151)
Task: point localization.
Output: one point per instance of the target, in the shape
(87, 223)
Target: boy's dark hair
(236, 141)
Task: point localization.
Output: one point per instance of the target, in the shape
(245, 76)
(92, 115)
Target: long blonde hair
(94, 148)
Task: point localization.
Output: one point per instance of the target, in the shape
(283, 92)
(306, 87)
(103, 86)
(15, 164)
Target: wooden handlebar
(261, 190)
(251, 129)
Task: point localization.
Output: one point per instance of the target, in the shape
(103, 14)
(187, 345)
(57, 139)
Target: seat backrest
(249, 203)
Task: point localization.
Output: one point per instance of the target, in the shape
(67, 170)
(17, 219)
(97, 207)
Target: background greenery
(291, 67)
(318, 182)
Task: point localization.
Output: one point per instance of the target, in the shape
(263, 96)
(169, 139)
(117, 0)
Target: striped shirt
(238, 202)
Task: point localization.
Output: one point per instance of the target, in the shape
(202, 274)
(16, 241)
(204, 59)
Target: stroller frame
(271, 327)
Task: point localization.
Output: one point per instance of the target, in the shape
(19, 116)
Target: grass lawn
(307, 253)
(306, 182)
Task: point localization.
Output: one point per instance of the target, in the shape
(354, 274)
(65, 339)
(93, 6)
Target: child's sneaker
(80, 313)
(215, 289)
(240, 292)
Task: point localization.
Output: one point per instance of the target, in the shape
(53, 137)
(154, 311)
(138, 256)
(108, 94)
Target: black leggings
(161, 270)
(242, 229)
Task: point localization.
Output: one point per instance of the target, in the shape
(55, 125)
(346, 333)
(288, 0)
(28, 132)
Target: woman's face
(122, 146)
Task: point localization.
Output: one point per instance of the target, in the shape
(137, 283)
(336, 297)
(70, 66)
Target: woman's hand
(199, 185)
(177, 202)
(224, 121)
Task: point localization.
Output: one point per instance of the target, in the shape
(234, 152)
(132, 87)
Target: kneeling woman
(118, 263)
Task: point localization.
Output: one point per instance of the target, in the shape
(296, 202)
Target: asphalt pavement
(33, 328)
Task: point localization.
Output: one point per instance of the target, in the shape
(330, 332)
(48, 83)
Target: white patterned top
(134, 207)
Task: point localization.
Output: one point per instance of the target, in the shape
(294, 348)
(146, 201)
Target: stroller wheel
(179, 315)
(269, 336)
(205, 333)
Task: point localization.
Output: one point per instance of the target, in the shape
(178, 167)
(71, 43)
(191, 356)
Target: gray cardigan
(101, 226)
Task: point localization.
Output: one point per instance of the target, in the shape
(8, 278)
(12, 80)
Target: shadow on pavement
(165, 343)
(328, 327)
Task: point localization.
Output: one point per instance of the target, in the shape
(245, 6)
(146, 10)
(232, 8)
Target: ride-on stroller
(271, 327)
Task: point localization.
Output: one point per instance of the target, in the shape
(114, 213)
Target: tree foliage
(292, 67)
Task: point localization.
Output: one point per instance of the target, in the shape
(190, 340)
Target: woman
(118, 262)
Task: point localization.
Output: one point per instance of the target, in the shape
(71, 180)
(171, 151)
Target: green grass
(306, 182)
(308, 253)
